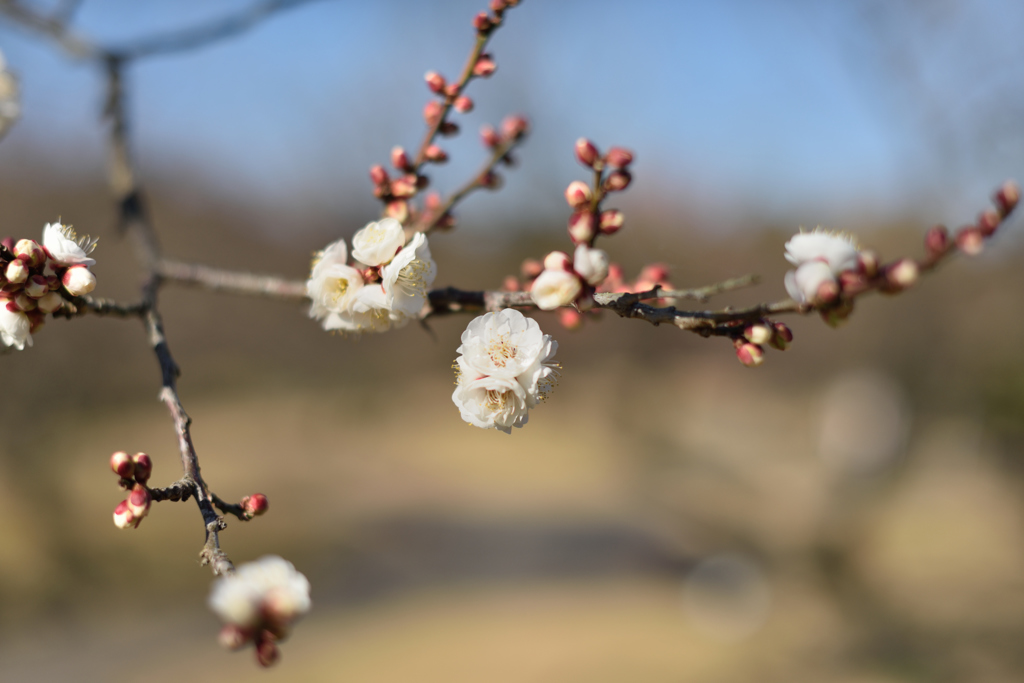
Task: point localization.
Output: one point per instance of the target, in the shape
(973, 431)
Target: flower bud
(138, 502)
(378, 176)
(837, 315)
(750, 355)
(399, 159)
(617, 181)
(484, 67)
(122, 465)
(851, 282)
(783, 336)
(50, 302)
(590, 264)
(514, 127)
(970, 241)
(36, 286)
(581, 227)
(267, 652)
(482, 22)
(403, 188)
(758, 334)
(16, 272)
(586, 152)
(577, 194)
(570, 318)
(448, 129)
(1007, 197)
(432, 112)
(557, 260)
(936, 240)
(654, 272)
(988, 221)
(555, 288)
(618, 157)
(24, 302)
(435, 154)
(498, 5)
(255, 505)
(79, 280)
(30, 252)
(435, 81)
(489, 136)
(531, 268)
(510, 284)
(233, 637)
(8, 244)
(143, 467)
(867, 262)
(491, 180)
(611, 221)
(123, 517)
(398, 209)
(827, 292)
(463, 104)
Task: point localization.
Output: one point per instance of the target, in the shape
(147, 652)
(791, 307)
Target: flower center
(336, 290)
(501, 351)
(496, 400)
(412, 278)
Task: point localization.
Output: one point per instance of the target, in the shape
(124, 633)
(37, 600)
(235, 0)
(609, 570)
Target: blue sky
(766, 105)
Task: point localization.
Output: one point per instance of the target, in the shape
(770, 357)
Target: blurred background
(850, 511)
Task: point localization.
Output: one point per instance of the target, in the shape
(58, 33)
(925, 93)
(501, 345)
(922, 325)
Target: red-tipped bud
(783, 336)
(498, 5)
(1007, 197)
(484, 66)
(586, 152)
(403, 188)
(750, 355)
(8, 244)
(463, 104)
(398, 209)
(432, 202)
(531, 268)
(30, 252)
(902, 274)
(489, 136)
(851, 282)
(618, 157)
(233, 637)
(435, 81)
(655, 272)
(138, 502)
(255, 505)
(837, 315)
(23, 302)
(758, 334)
(867, 262)
(79, 280)
(970, 241)
(378, 176)
(828, 291)
(611, 221)
(570, 318)
(36, 286)
(510, 284)
(267, 652)
(448, 129)
(936, 240)
(16, 272)
(617, 181)
(49, 302)
(435, 154)
(491, 180)
(988, 221)
(581, 227)
(577, 194)
(122, 465)
(400, 160)
(143, 467)
(452, 90)
(482, 22)
(515, 127)
(123, 517)
(558, 260)
(432, 112)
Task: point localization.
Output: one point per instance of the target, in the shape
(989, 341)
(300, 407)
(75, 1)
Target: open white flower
(378, 242)
(504, 368)
(408, 278)
(804, 283)
(66, 247)
(591, 264)
(14, 328)
(554, 288)
(333, 284)
(269, 589)
(367, 312)
(838, 250)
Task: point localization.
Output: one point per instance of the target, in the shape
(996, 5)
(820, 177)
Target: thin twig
(219, 280)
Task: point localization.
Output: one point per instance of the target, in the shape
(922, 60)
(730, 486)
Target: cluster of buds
(611, 174)
(484, 23)
(34, 278)
(134, 472)
(396, 192)
(970, 239)
(750, 344)
(565, 280)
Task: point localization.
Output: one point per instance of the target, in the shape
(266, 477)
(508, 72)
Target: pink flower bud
(531, 268)
(484, 67)
(570, 318)
(16, 272)
(489, 136)
(399, 159)
(581, 227)
(122, 465)
(432, 201)
(143, 467)
(432, 112)
(577, 194)
(435, 81)
(435, 154)
(123, 517)
(491, 180)
(452, 90)
(936, 240)
(1007, 197)
(378, 176)
(510, 284)
(24, 302)
(463, 104)
(36, 286)
(30, 252)
(611, 221)
(782, 338)
(867, 262)
(851, 282)
(988, 221)
(233, 637)
(902, 274)
(514, 127)
(617, 181)
(618, 157)
(255, 505)
(758, 334)
(586, 152)
(78, 280)
(398, 209)
(498, 5)
(750, 355)
(8, 244)
(267, 652)
(828, 291)
(50, 302)
(655, 272)
(482, 22)
(558, 260)
(403, 188)
(138, 502)
(970, 241)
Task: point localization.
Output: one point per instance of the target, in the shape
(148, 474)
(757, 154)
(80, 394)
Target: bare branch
(54, 27)
(229, 281)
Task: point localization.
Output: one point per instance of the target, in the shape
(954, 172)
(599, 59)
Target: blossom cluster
(258, 604)
(386, 287)
(820, 258)
(34, 277)
(505, 367)
(134, 471)
(564, 281)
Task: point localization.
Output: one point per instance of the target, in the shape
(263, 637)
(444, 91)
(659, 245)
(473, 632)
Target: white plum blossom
(819, 258)
(378, 242)
(505, 368)
(554, 288)
(408, 277)
(368, 312)
(67, 248)
(591, 264)
(269, 589)
(15, 328)
(333, 287)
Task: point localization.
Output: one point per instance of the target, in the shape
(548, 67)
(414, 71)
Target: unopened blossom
(333, 285)
(268, 592)
(79, 280)
(819, 258)
(554, 288)
(15, 328)
(591, 264)
(66, 247)
(408, 278)
(504, 368)
(378, 242)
